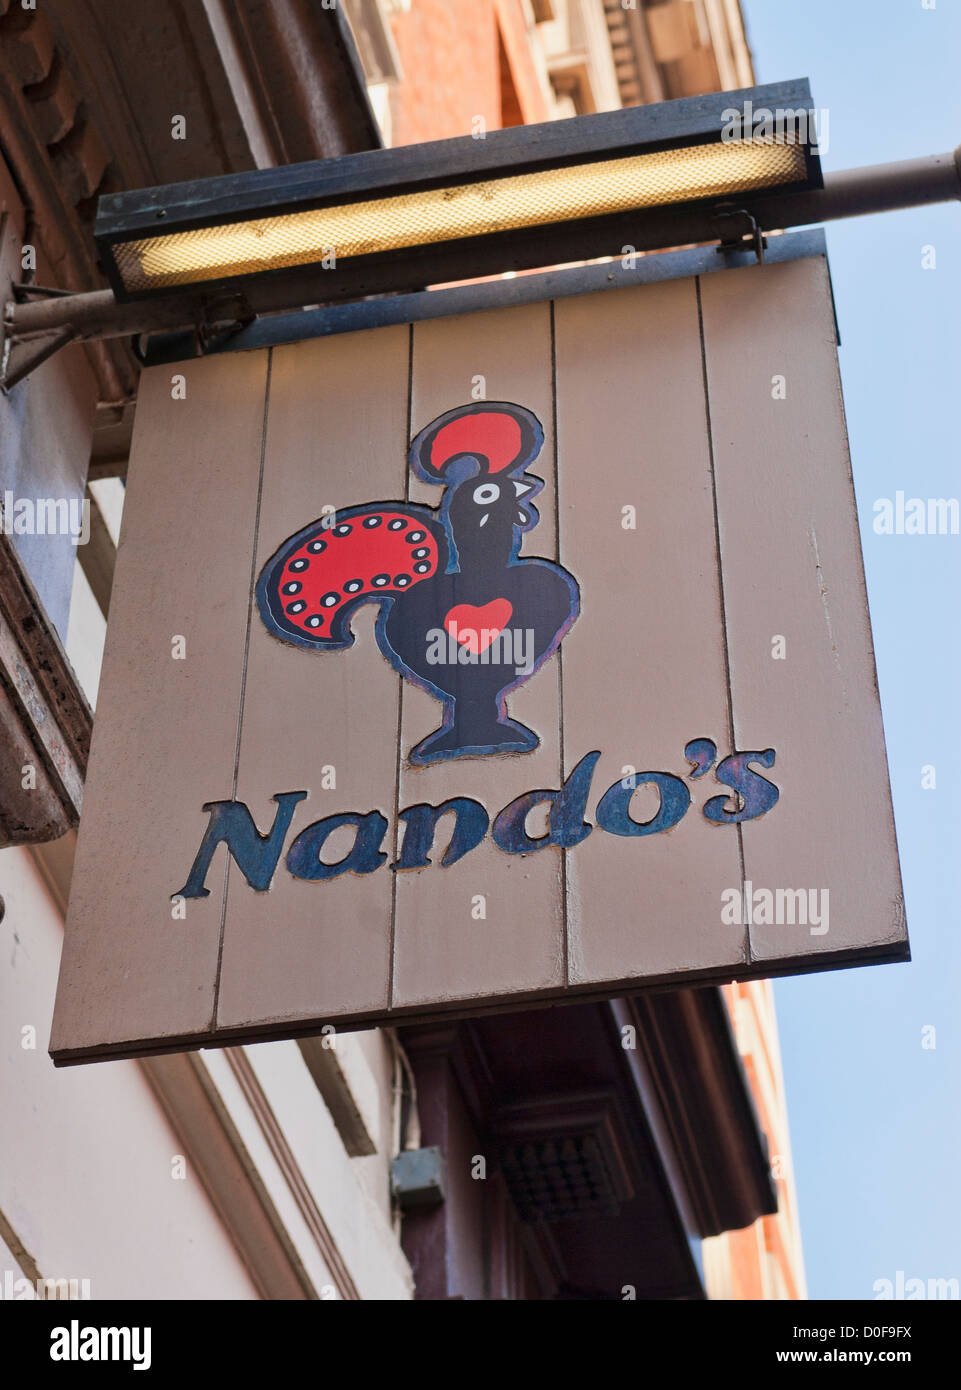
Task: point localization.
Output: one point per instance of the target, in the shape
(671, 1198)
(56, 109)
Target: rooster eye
(486, 493)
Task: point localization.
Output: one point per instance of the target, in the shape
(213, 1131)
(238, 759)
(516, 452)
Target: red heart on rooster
(477, 628)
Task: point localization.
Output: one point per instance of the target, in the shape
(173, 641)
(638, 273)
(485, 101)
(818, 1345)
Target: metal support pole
(850, 193)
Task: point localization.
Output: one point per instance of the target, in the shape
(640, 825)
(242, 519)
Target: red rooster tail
(308, 589)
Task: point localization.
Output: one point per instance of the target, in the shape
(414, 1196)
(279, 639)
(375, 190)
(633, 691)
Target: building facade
(634, 1149)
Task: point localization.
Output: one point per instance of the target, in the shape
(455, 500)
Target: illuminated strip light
(461, 211)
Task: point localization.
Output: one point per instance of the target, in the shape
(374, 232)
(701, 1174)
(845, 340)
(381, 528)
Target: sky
(874, 1115)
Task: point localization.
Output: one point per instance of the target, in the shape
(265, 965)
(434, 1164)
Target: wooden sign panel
(510, 657)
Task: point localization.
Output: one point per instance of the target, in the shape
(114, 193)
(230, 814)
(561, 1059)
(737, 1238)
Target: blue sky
(875, 1118)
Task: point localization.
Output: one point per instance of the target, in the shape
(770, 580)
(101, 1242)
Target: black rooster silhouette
(462, 614)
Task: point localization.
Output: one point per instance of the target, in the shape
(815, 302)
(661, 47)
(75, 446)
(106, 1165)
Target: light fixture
(510, 199)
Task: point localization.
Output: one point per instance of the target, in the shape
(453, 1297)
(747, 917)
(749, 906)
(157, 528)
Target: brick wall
(452, 53)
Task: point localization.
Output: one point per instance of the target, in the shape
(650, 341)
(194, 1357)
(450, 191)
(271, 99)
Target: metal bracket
(19, 359)
(14, 365)
(211, 327)
(734, 240)
(20, 355)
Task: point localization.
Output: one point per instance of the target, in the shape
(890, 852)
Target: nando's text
(231, 823)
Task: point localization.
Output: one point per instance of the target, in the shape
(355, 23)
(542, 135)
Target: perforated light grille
(444, 214)
(558, 1178)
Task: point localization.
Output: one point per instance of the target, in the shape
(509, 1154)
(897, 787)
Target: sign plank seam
(405, 489)
(243, 675)
(747, 955)
(562, 757)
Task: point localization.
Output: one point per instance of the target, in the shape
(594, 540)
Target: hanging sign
(507, 657)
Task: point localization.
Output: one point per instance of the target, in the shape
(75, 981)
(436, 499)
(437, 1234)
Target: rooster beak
(521, 488)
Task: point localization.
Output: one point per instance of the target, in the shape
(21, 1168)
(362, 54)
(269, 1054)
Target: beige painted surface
(792, 567)
(643, 668)
(166, 729)
(335, 436)
(668, 604)
(441, 950)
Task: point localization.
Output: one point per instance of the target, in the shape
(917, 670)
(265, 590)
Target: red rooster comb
(499, 436)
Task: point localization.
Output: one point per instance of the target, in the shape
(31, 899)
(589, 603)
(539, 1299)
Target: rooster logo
(462, 614)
